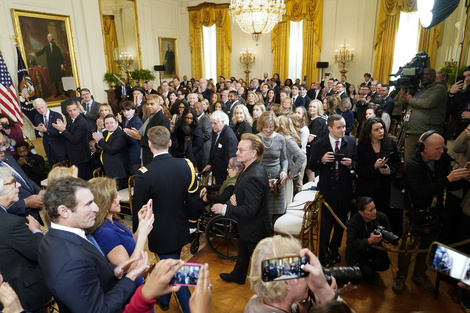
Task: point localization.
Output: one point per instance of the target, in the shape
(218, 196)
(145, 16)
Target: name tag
(219, 146)
(407, 116)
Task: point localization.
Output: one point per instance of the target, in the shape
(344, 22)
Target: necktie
(337, 165)
(50, 45)
(125, 123)
(46, 122)
(17, 175)
(101, 155)
(88, 107)
(123, 90)
(293, 100)
(92, 240)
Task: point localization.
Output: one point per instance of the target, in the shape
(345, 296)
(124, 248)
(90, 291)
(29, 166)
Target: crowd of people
(260, 141)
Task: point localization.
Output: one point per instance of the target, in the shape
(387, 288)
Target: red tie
(337, 165)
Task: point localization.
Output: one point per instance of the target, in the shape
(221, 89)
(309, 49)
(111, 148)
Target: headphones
(420, 145)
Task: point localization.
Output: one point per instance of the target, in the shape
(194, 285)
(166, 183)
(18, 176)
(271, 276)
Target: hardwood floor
(232, 298)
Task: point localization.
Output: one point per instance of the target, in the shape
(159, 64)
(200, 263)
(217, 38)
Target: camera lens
(343, 275)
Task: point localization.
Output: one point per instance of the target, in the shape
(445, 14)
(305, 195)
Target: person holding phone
(335, 183)
(459, 109)
(282, 295)
(378, 162)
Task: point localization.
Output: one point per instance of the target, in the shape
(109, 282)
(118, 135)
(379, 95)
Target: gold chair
(98, 173)
(65, 163)
(306, 228)
(126, 196)
(356, 126)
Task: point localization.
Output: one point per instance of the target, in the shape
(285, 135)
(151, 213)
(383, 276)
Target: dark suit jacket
(299, 102)
(241, 128)
(76, 136)
(387, 106)
(19, 208)
(133, 146)
(119, 93)
(93, 115)
(159, 119)
(166, 180)
(54, 60)
(277, 91)
(221, 152)
(251, 212)
(334, 192)
(53, 142)
(80, 278)
(114, 153)
(207, 94)
(202, 157)
(19, 261)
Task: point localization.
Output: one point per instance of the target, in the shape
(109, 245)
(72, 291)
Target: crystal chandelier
(257, 17)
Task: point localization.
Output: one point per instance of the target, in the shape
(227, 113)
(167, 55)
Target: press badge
(407, 116)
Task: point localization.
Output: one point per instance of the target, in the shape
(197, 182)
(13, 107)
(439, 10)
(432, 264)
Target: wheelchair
(221, 232)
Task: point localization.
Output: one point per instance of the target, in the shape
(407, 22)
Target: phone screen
(449, 262)
(187, 275)
(288, 267)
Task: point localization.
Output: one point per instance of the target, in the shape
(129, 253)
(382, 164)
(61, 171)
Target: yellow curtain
(206, 15)
(429, 41)
(310, 11)
(110, 43)
(463, 60)
(385, 33)
(280, 49)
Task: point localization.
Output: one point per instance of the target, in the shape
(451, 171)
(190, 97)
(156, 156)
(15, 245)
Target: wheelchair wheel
(222, 237)
(194, 245)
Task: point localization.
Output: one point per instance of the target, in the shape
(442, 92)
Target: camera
(5, 125)
(343, 275)
(29, 160)
(389, 236)
(411, 73)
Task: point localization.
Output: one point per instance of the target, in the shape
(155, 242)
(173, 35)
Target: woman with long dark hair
(378, 163)
(187, 139)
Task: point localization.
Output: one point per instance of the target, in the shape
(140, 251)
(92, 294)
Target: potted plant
(141, 75)
(112, 79)
(451, 72)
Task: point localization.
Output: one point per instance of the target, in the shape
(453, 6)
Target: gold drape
(310, 11)
(429, 41)
(207, 15)
(110, 43)
(385, 33)
(464, 54)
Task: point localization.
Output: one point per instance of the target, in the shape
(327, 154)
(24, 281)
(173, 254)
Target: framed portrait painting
(46, 43)
(168, 56)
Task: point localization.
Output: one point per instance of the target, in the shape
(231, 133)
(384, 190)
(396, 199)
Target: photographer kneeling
(282, 295)
(366, 228)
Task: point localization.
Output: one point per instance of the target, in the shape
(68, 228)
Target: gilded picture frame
(168, 56)
(46, 44)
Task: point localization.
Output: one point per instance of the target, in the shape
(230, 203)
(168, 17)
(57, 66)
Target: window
(406, 40)
(209, 68)
(295, 50)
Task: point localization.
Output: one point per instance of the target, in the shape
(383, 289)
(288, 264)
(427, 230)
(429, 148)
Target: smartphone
(460, 78)
(287, 267)
(187, 275)
(150, 204)
(338, 156)
(305, 78)
(449, 262)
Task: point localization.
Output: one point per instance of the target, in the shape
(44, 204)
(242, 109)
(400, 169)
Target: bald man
(427, 175)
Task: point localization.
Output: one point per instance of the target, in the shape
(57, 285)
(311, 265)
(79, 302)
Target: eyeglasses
(4, 146)
(13, 182)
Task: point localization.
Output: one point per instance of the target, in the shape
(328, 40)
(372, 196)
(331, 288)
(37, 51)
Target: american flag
(8, 99)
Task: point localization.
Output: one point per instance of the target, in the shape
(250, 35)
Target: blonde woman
(295, 156)
(317, 127)
(105, 109)
(251, 100)
(302, 119)
(286, 105)
(241, 121)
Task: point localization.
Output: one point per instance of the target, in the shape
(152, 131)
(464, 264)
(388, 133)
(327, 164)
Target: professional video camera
(411, 73)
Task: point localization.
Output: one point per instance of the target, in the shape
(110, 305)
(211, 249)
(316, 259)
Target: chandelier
(257, 17)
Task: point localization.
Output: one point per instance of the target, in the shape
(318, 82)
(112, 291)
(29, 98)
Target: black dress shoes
(229, 279)
(336, 257)
(326, 259)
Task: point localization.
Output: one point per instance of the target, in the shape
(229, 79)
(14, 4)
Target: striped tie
(101, 155)
(337, 165)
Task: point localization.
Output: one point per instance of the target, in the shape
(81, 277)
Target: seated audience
(361, 238)
(115, 240)
(32, 164)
